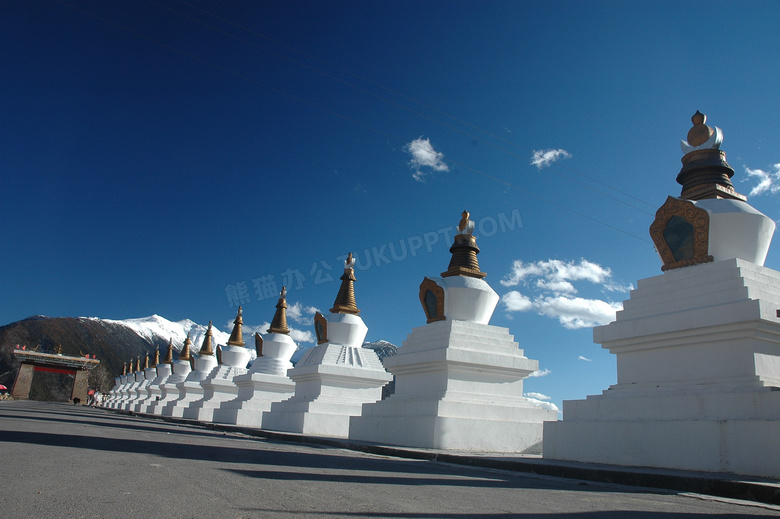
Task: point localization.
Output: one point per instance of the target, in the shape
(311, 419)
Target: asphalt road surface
(59, 460)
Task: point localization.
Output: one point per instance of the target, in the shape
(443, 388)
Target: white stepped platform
(146, 390)
(256, 393)
(155, 391)
(191, 390)
(218, 386)
(698, 359)
(332, 382)
(459, 386)
(168, 390)
(265, 383)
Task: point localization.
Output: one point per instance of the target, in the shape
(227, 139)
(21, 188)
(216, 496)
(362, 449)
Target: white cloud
(514, 301)
(541, 403)
(543, 158)
(768, 181)
(540, 373)
(557, 274)
(554, 282)
(424, 156)
(301, 336)
(301, 314)
(538, 396)
(586, 359)
(576, 312)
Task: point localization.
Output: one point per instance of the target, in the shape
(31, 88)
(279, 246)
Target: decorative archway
(33, 361)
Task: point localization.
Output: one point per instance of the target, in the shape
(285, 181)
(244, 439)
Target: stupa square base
(256, 393)
(459, 386)
(312, 417)
(698, 370)
(747, 447)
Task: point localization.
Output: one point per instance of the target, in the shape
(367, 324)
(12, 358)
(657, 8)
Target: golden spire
(185, 351)
(130, 367)
(464, 252)
(146, 361)
(219, 354)
(138, 364)
(705, 172)
(169, 354)
(236, 337)
(258, 345)
(124, 369)
(279, 322)
(207, 348)
(157, 356)
(345, 300)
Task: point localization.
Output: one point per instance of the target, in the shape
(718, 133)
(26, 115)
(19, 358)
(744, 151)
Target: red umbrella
(3, 388)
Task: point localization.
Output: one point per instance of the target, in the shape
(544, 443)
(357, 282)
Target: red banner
(56, 370)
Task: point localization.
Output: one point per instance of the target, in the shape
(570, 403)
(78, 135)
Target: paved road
(60, 460)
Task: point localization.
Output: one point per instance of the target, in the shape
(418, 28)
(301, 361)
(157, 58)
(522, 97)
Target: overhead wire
(339, 115)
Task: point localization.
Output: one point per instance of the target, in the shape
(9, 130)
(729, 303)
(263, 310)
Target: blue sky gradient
(156, 155)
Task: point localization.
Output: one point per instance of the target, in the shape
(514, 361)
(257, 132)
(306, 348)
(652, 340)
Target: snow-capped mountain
(159, 330)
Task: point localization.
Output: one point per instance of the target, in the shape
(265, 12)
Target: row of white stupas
(698, 357)
(454, 377)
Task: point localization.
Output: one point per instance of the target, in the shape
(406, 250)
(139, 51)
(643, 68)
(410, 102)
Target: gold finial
(258, 345)
(236, 336)
(345, 299)
(146, 361)
(700, 132)
(279, 322)
(464, 222)
(464, 252)
(124, 369)
(185, 351)
(157, 356)
(169, 354)
(130, 367)
(207, 348)
(138, 364)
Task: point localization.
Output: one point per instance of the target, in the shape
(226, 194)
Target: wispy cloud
(514, 301)
(301, 314)
(768, 181)
(543, 158)
(552, 282)
(553, 272)
(586, 359)
(540, 373)
(424, 158)
(540, 400)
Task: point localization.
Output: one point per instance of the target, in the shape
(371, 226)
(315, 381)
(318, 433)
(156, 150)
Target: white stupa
(335, 378)
(113, 395)
(143, 391)
(169, 390)
(116, 392)
(163, 372)
(190, 390)
(218, 386)
(459, 381)
(698, 347)
(134, 379)
(267, 380)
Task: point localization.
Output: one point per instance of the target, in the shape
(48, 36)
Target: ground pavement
(60, 460)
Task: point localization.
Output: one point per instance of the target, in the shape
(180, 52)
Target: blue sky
(175, 157)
